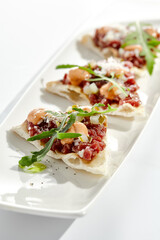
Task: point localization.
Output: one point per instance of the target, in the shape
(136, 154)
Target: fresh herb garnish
(42, 135)
(148, 43)
(93, 110)
(30, 163)
(99, 77)
(66, 66)
(68, 135)
(111, 87)
(36, 167)
(72, 119)
(39, 155)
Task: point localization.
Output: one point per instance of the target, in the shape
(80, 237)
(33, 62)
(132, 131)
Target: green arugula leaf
(93, 111)
(78, 109)
(153, 43)
(98, 105)
(43, 135)
(88, 70)
(27, 161)
(109, 107)
(100, 77)
(36, 167)
(146, 51)
(111, 88)
(68, 135)
(66, 66)
(30, 163)
(39, 155)
(72, 119)
(148, 43)
(89, 66)
(157, 50)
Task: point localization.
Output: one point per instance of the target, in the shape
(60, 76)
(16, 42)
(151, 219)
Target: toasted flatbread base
(103, 53)
(72, 93)
(75, 94)
(106, 52)
(97, 166)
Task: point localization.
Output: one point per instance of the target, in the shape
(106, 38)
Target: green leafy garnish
(111, 87)
(36, 167)
(148, 43)
(72, 66)
(39, 155)
(88, 70)
(42, 135)
(66, 66)
(72, 119)
(99, 77)
(99, 105)
(26, 161)
(31, 163)
(93, 110)
(68, 135)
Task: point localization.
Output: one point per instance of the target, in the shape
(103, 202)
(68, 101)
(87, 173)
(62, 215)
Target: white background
(30, 33)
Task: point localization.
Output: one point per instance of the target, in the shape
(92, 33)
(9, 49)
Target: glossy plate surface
(60, 191)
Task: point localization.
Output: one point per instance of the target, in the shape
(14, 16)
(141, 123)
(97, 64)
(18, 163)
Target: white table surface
(30, 33)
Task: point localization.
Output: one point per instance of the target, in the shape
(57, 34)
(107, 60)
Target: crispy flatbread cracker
(74, 94)
(97, 166)
(106, 53)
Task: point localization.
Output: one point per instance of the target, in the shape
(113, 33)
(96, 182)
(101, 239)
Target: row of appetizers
(109, 86)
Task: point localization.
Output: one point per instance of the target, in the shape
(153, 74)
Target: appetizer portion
(78, 137)
(136, 43)
(107, 82)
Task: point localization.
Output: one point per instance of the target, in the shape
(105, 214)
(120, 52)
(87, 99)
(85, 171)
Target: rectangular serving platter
(60, 191)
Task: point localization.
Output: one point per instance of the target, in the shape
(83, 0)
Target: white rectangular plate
(60, 191)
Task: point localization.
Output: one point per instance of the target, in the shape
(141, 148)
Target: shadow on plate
(51, 99)
(56, 170)
(86, 53)
(40, 190)
(115, 122)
